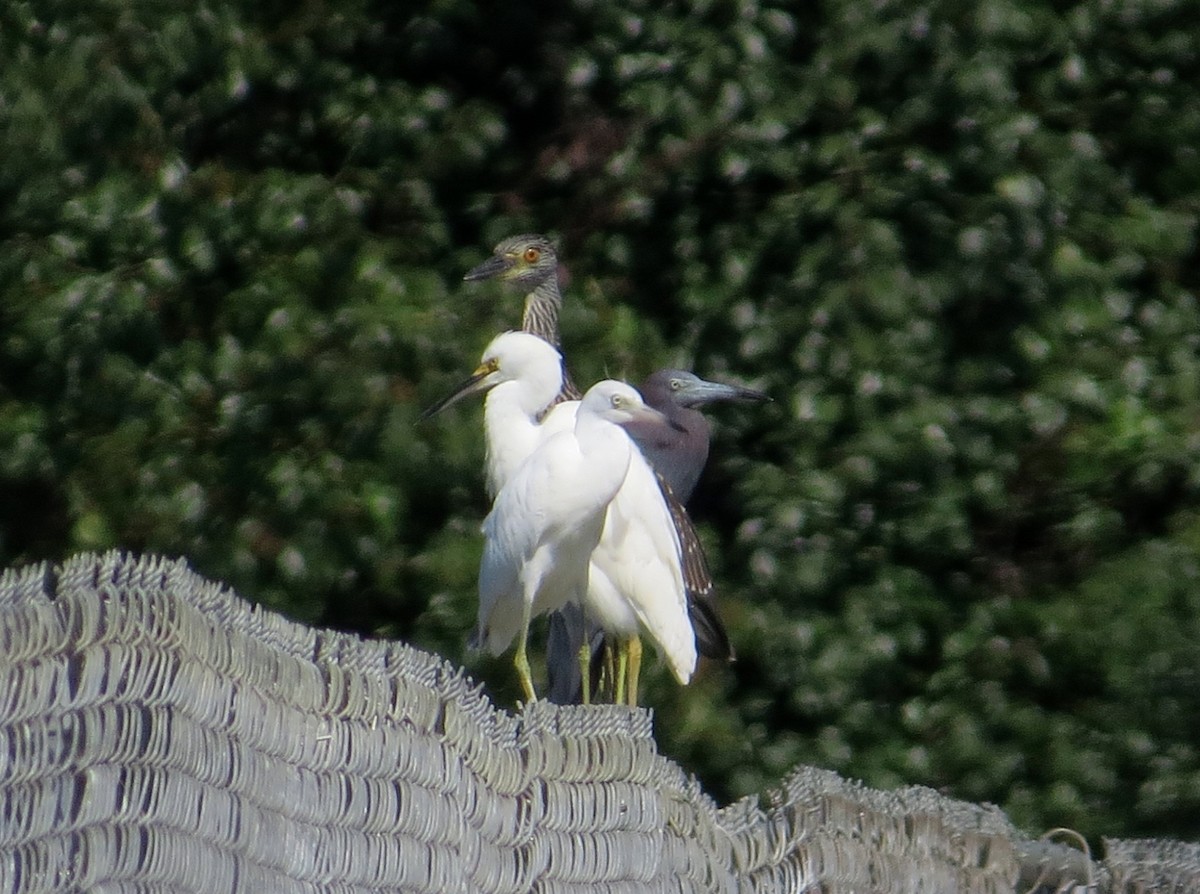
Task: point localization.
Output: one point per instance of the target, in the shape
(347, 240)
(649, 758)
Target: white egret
(522, 375)
(635, 580)
(677, 450)
(547, 520)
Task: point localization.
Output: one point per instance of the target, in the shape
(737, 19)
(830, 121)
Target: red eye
(531, 255)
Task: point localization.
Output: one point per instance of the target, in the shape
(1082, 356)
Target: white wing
(544, 524)
(637, 562)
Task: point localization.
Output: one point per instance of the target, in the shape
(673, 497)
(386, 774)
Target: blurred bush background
(956, 242)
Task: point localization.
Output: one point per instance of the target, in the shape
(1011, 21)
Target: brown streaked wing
(712, 640)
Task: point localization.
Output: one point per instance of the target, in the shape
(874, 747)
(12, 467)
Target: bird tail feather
(712, 641)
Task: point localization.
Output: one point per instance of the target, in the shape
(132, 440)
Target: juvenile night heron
(529, 264)
(677, 448)
(634, 581)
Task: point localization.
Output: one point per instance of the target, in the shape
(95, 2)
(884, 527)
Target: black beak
(470, 386)
(493, 266)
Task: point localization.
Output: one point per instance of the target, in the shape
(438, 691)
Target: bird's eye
(676, 384)
(531, 255)
(618, 400)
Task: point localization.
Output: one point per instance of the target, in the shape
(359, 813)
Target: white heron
(635, 579)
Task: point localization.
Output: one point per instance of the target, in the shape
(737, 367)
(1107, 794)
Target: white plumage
(572, 485)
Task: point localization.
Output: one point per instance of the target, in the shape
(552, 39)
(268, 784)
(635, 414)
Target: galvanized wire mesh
(158, 733)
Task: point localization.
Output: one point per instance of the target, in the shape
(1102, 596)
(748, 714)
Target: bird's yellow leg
(521, 660)
(633, 656)
(585, 671)
(622, 668)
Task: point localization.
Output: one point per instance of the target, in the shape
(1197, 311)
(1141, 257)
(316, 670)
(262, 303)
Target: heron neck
(696, 423)
(677, 451)
(691, 456)
(604, 445)
(510, 424)
(541, 311)
(541, 319)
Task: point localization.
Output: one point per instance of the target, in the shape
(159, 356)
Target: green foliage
(957, 244)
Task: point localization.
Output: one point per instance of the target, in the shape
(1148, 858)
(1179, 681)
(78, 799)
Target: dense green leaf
(956, 243)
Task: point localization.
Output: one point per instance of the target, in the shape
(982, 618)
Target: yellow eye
(531, 255)
(676, 384)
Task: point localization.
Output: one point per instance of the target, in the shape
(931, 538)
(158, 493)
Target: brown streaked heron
(529, 264)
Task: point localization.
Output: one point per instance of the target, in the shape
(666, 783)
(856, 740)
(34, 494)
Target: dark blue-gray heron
(528, 264)
(678, 447)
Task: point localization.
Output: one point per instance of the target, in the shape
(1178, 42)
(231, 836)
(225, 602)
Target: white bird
(547, 520)
(635, 580)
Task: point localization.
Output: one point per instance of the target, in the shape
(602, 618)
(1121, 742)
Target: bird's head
(677, 386)
(524, 262)
(619, 403)
(511, 356)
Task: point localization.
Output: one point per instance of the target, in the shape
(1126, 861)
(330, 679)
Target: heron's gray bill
(493, 266)
(703, 392)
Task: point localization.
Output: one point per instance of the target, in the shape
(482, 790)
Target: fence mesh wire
(161, 734)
